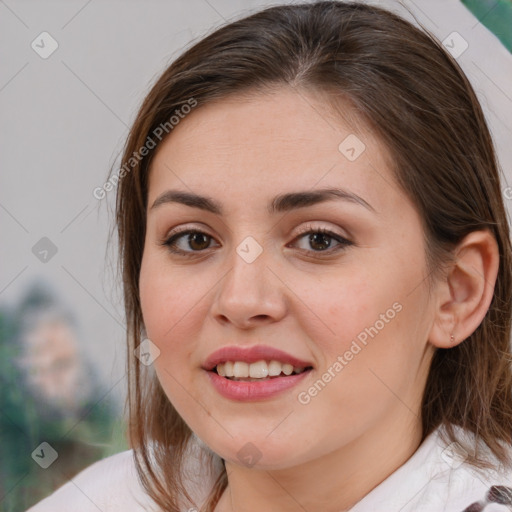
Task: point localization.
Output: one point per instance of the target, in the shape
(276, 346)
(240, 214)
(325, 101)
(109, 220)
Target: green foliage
(92, 431)
(496, 15)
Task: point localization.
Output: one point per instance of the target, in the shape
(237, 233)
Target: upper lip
(251, 355)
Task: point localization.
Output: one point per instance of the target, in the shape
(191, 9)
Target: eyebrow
(280, 203)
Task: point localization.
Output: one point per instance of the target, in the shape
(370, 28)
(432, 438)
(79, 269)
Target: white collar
(438, 479)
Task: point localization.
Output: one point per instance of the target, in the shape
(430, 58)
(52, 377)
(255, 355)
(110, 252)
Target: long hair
(414, 96)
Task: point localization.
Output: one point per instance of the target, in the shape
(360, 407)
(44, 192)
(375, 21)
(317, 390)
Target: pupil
(192, 239)
(323, 240)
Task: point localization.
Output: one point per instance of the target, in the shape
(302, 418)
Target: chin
(259, 452)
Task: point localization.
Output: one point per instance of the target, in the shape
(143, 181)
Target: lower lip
(246, 391)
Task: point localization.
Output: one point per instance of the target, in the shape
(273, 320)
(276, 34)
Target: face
(338, 283)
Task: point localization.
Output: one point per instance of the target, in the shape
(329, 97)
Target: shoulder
(107, 485)
(439, 477)
(471, 487)
(457, 485)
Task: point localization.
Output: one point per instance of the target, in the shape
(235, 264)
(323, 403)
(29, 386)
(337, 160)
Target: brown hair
(420, 104)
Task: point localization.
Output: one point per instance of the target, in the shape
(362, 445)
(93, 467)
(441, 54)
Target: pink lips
(251, 355)
(253, 390)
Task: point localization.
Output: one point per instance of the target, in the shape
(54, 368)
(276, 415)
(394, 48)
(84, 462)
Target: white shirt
(435, 479)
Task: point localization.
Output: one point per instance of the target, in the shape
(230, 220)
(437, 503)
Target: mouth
(258, 371)
(261, 380)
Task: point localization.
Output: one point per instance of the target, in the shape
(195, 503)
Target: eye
(188, 239)
(190, 242)
(321, 240)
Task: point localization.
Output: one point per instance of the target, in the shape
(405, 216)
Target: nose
(250, 294)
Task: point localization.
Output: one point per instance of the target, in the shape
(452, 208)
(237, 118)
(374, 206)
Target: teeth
(240, 369)
(228, 368)
(287, 369)
(259, 370)
(274, 368)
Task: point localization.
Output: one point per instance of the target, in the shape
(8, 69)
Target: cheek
(173, 301)
(165, 296)
(342, 307)
(369, 323)
(167, 309)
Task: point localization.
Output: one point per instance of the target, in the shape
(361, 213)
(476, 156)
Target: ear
(464, 295)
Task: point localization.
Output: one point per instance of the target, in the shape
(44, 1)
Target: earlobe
(464, 296)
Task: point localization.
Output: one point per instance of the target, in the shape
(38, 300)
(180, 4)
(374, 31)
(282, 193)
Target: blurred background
(72, 77)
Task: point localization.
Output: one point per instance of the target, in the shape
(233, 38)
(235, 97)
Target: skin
(325, 455)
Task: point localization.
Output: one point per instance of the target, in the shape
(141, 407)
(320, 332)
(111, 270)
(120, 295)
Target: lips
(241, 391)
(252, 355)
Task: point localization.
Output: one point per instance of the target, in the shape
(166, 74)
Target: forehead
(264, 144)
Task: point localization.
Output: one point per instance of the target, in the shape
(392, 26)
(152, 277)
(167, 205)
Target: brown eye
(188, 242)
(193, 242)
(198, 241)
(322, 240)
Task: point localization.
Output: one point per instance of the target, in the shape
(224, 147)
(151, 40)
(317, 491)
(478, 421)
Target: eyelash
(343, 242)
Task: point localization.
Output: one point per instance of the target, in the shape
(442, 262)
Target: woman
(317, 273)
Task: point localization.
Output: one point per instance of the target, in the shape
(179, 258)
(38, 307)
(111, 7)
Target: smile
(246, 388)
